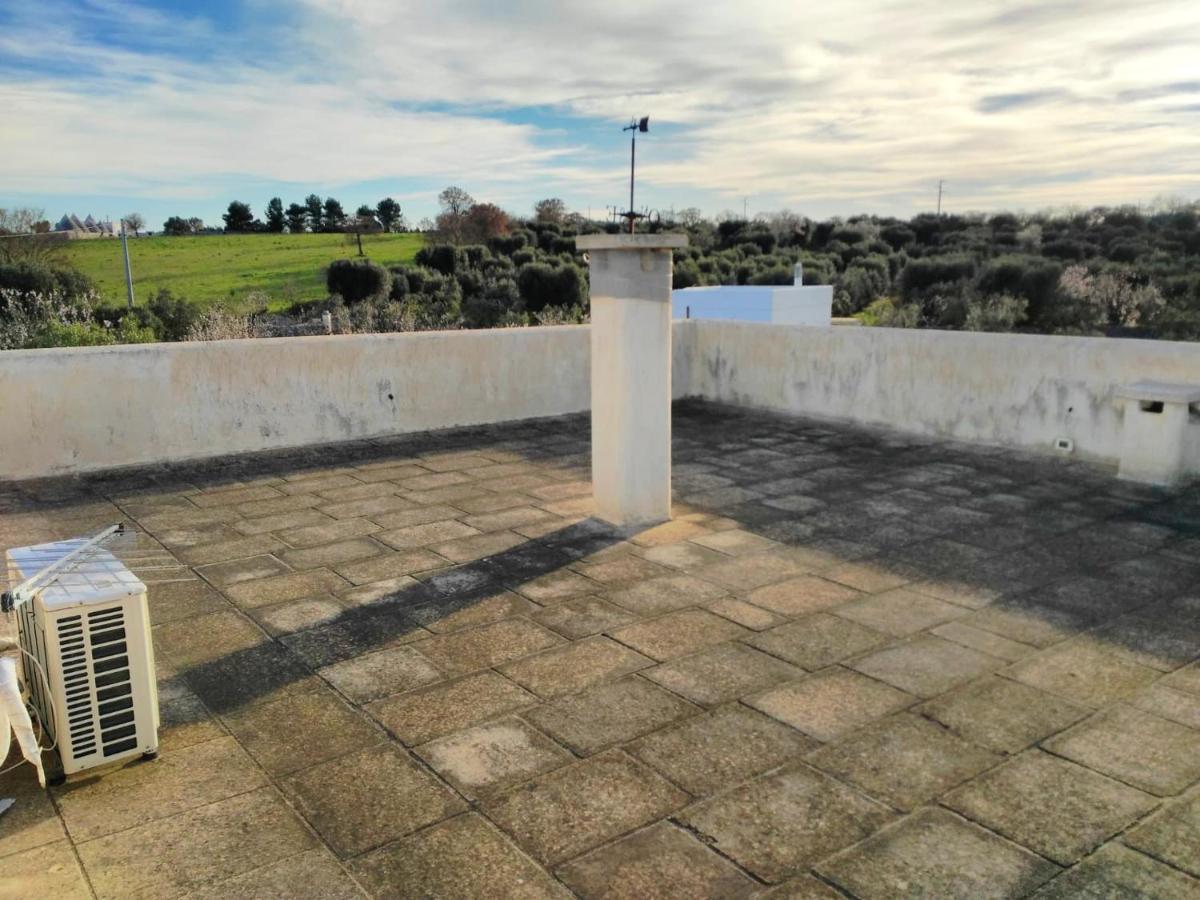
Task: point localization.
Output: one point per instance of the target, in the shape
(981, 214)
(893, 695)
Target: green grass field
(288, 267)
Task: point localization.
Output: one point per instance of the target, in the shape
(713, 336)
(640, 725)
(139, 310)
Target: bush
(886, 312)
(41, 277)
(444, 258)
(358, 279)
(541, 286)
(996, 312)
(921, 274)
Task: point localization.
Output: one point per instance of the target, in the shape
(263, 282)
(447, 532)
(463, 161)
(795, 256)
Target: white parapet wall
(777, 304)
(85, 409)
(1011, 390)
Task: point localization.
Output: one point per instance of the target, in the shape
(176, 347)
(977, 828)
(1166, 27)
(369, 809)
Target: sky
(176, 107)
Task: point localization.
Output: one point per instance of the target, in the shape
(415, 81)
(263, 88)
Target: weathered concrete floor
(852, 664)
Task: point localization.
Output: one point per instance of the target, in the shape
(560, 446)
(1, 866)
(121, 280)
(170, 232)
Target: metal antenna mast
(642, 125)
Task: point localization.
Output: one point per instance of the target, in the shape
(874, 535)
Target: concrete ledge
(630, 241)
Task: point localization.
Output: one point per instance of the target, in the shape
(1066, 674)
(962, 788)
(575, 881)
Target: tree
(551, 210)
(483, 222)
(297, 217)
(690, 217)
(176, 225)
(136, 222)
(388, 213)
(365, 210)
(196, 224)
(274, 215)
(238, 218)
(333, 215)
(316, 209)
(455, 200)
(19, 220)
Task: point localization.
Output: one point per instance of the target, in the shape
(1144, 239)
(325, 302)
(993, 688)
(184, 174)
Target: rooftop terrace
(854, 663)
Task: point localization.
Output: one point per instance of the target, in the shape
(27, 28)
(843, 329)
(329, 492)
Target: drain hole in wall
(1151, 406)
(390, 397)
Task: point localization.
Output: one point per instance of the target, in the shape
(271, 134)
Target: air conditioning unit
(82, 615)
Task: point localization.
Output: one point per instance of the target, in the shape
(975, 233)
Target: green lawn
(288, 267)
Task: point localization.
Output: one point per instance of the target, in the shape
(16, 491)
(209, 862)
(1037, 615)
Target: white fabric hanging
(14, 716)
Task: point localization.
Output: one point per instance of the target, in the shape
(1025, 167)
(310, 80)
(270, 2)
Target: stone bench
(1161, 435)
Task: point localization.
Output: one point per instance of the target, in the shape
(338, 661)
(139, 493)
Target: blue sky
(164, 108)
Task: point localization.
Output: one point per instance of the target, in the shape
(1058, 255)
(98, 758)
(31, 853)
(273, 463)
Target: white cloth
(14, 715)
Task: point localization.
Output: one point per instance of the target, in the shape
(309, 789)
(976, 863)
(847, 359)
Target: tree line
(315, 214)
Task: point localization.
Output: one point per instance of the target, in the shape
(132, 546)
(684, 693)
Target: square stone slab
(488, 758)
(731, 744)
(678, 633)
(687, 557)
(276, 589)
(818, 640)
(934, 853)
(583, 616)
(236, 570)
(780, 824)
(556, 586)
(802, 596)
(721, 673)
(1165, 701)
(658, 861)
(489, 645)
(421, 715)
(901, 612)
(1054, 807)
(1002, 715)
(608, 714)
(745, 614)
(575, 666)
(297, 732)
(1141, 749)
(745, 573)
(660, 595)
(1081, 672)
(366, 799)
(465, 857)
(50, 870)
(568, 811)
(380, 674)
(735, 542)
(312, 875)
(216, 841)
(926, 666)
(156, 789)
(174, 600)
(831, 703)
(984, 641)
(1116, 871)
(1172, 834)
(331, 554)
(455, 612)
(904, 760)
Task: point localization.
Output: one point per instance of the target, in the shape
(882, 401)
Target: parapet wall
(1010, 390)
(78, 410)
(84, 409)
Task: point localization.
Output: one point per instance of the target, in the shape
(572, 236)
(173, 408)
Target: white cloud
(855, 106)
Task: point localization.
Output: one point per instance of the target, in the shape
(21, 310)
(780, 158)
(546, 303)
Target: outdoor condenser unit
(83, 616)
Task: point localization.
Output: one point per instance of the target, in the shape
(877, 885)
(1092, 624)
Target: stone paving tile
(984, 641)
(709, 753)
(660, 595)
(1172, 834)
(371, 676)
(620, 570)
(673, 532)
(217, 841)
(721, 673)
(296, 586)
(1140, 749)
(583, 616)
(32, 820)
(1141, 638)
(1002, 715)
(50, 870)
(900, 612)
(1186, 679)
(368, 798)
(903, 760)
(453, 613)
(328, 728)
(571, 810)
(780, 824)
(460, 652)
(806, 887)
(173, 783)
(556, 586)
(1052, 806)
(934, 853)
(817, 641)
(686, 556)
(372, 506)
(745, 573)
(831, 703)
(226, 573)
(656, 862)
(1115, 871)
(926, 666)
(225, 632)
(428, 533)
(408, 518)
(420, 715)
(575, 666)
(1083, 673)
(1168, 703)
(801, 596)
(174, 600)
(745, 614)
(486, 759)
(222, 551)
(183, 721)
(464, 857)
(869, 575)
(297, 615)
(310, 875)
(330, 555)
(282, 521)
(389, 565)
(678, 633)
(608, 714)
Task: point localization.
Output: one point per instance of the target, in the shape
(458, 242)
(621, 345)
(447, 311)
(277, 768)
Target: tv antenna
(642, 125)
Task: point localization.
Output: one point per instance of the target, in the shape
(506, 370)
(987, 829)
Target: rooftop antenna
(940, 183)
(642, 125)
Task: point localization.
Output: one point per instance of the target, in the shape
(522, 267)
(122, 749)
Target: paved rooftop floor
(853, 664)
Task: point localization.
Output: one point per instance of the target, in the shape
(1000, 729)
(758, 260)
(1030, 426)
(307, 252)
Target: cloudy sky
(177, 107)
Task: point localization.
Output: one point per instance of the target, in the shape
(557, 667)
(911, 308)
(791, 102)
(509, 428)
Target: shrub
(924, 273)
(42, 277)
(444, 258)
(358, 279)
(995, 312)
(541, 286)
(887, 312)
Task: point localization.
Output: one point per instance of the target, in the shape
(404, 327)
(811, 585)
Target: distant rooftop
(855, 663)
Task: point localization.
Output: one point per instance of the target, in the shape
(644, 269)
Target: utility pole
(128, 270)
(642, 125)
(940, 183)
(745, 209)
